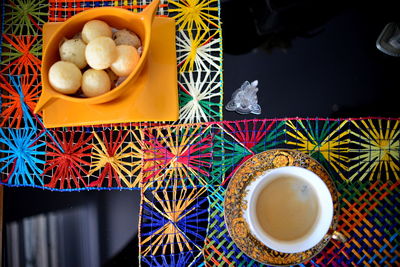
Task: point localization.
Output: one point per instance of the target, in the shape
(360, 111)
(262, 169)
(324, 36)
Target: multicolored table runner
(186, 169)
(192, 155)
(182, 172)
(198, 44)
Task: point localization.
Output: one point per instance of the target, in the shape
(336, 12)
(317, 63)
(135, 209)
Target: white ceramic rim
(323, 221)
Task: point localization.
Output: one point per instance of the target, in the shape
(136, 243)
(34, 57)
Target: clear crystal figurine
(244, 100)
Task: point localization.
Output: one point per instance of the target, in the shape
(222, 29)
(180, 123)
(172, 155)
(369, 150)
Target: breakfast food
(127, 58)
(73, 51)
(105, 62)
(125, 37)
(101, 52)
(65, 77)
(94, 29)
(95, 82)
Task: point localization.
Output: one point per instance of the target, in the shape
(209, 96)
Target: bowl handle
(150, 11)
(45, 98)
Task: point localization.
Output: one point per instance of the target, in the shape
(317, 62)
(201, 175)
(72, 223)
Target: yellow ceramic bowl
(139, 23)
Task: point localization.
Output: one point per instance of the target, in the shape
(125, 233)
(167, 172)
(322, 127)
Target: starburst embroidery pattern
(175, 219)
(379, 152)
(21, 53)
(329, 143)
(242, 140)
(190, 258)
(198, 93)
(66, 163)
(197, 51)
(112, 158)
(21, 156)
(195, 14)
(179, 157)
(24, 17)
(20, 100)
(139, 152)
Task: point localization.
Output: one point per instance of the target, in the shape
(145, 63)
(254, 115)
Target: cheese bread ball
(73, 51)
(95, 82)
(127, 58)
(125, 37)
(95, 28)
(65, 77)
(101, 52)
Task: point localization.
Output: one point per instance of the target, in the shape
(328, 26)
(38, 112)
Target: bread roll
(127, 59)
(73, 51)
(65, 77)
(95, 28)
(95, 82)
(125, 37)
(101, 52)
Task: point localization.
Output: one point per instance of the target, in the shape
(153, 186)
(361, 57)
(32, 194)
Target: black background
(319, 58)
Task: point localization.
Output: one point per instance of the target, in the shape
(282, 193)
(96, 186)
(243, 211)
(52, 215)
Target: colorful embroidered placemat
(199, 58)
(186, 169)
(182, 172)
(198, 44)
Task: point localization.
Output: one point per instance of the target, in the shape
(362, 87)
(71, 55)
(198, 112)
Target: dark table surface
(310, 60)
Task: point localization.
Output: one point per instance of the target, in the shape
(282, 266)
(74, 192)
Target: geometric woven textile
(198, 46)
(193, 155)
(368, 212)
(361, 155)
(183, 170)
(94, 156)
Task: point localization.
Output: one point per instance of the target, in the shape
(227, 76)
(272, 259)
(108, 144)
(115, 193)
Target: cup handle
(339, 236)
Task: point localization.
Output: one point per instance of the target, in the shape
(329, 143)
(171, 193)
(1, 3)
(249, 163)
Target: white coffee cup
(320, 225)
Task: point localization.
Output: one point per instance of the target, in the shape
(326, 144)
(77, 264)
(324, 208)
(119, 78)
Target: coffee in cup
(289, 209)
